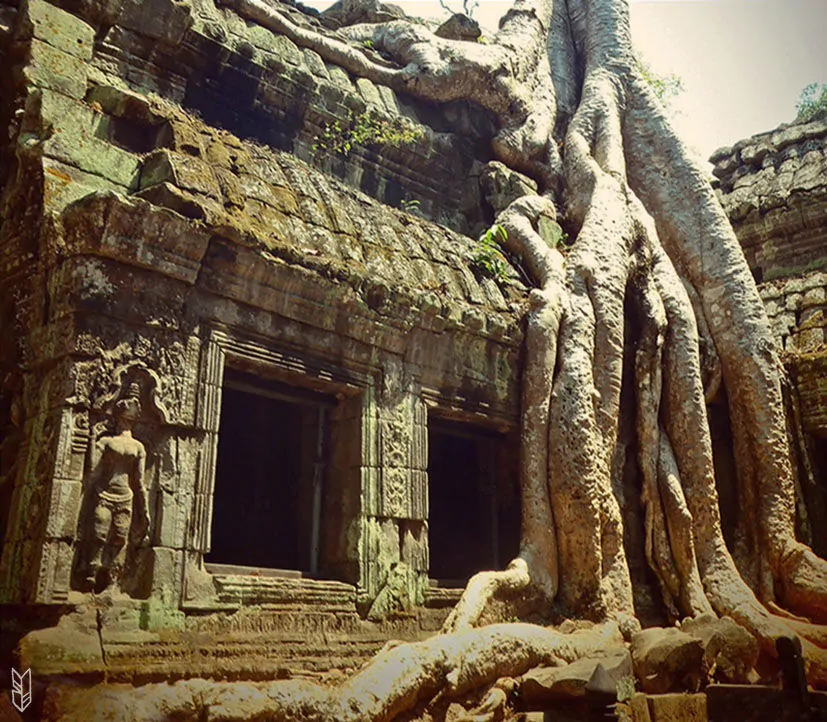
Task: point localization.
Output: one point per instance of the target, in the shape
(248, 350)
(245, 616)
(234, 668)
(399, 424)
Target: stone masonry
(163, 223)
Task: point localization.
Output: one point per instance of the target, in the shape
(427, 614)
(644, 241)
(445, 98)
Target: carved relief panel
(115, 519)
(402, 453)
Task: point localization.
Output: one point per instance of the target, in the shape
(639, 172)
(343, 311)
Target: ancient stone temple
(261, 387)
(225, 372)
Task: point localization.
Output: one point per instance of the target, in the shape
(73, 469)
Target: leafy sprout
(666, 87)
(366, 129)
(488, 258)
(811, 102)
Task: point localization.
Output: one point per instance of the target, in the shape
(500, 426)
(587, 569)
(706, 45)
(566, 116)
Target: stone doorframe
(363, 472)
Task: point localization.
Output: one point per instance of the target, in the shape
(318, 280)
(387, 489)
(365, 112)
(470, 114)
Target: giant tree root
(395, 681)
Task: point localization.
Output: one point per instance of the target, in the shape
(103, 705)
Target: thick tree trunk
(650, 236)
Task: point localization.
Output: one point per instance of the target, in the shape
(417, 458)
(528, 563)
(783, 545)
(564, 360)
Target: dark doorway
(474, 503)
(269, 475)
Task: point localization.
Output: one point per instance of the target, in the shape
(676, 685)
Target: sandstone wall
(143, 246)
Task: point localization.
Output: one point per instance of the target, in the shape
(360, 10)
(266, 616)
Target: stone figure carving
(121, 511)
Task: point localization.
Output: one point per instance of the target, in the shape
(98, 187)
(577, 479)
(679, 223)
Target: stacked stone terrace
(774, 189)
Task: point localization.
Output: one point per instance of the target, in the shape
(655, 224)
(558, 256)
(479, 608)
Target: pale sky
(743, 62)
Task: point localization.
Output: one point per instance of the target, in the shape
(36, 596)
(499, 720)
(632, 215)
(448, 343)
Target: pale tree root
(803, 578)
(669, 545)
(392, 683)
(534, 570)
(695, 520)
(493, 707)
(686, 419)
(585, 397)
(482, 589)
(515, 85)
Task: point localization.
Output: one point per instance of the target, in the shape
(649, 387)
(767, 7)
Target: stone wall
(143, 250)
(260, 86)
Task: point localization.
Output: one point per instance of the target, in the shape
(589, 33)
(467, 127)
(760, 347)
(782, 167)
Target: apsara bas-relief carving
(115, 521)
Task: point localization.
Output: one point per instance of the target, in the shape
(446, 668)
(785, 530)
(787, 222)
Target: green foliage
(369, 44)
(811, 102)
(666, 87)
(409, 206)
(366, 129)
(488, 259)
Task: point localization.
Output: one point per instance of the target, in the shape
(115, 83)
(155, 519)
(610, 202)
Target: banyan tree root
(652, 240)
(392, 683)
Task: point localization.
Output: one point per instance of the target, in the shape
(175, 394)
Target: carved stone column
(394, 535)
(37, 556)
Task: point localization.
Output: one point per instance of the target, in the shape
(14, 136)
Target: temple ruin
(260, 406)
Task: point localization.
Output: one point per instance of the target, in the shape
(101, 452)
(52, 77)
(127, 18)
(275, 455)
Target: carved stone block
(371, 490)
(380, 551)
(55, 571)
(419, 495)
(167, 575)
(395, 500)
(200, 523)
(414, 550)
(370, 437)
(116, 519)
(419, 447)
(172, 513)
(395, 439)
(64, 507)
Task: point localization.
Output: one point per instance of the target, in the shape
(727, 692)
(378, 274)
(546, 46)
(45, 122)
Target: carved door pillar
(395, 510)
(37, 556)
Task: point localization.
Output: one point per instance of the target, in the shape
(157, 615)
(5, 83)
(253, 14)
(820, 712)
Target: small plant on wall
(365, 129)
(488, 259)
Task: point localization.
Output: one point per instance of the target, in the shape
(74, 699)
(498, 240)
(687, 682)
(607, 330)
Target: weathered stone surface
(545, 685)
(157, 19)
(459, 27)
(58, 28)
(730, 652)
(772, 186)
(70, 133)
(403, 589)
(677, 708)
(502, 185)
(666, 659)
(811, 377)
(184, 171)
(123, 103)
(753, 703)
(73, 645)
(639, 707)
(54, 69)
(153, 702)
(170, 245)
